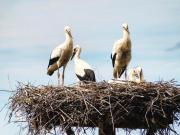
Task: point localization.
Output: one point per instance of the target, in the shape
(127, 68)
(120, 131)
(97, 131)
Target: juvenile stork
(136, 75)
(140, 74)
(121, 53)
(61, 55)
(83, 70)
(132, 75)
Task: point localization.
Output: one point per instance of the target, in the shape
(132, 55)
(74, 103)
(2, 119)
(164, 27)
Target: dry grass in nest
(122, 105)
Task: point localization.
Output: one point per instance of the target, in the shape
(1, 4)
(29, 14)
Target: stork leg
(115, 74)
(58, 74)
(125, 74)
(63, 75)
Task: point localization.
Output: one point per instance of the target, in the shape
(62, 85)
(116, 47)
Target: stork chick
(83, 70)
(121, 53)
(132, 75)
(140, 75)
(136, 75)
(61, 55)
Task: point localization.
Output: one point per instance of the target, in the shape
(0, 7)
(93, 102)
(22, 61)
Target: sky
(29, 30)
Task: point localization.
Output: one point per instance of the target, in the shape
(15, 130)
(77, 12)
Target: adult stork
(136, 75)
(61, 55)
(121, 53)
(83, 70)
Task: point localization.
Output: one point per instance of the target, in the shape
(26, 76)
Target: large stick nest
(122, 105)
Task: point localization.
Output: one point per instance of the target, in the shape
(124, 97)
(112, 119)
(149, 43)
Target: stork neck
(77, 55)
(68, 40)
(125, 35)
(131, 77)
(126, 39)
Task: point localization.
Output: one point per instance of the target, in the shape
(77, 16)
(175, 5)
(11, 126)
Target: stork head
(132, 75)
(67, 30)
(132, 72)
(76, 51)
(125, 27)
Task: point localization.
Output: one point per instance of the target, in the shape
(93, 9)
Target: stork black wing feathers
(89, 76)
(52, 61)
(122, 71)
(113, 59)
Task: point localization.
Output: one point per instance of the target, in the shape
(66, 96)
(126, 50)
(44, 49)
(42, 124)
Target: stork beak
(69, 33)
(74, 52)
(136, 75)
(126, 29)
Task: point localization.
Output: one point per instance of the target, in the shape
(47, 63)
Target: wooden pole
(69, 131)
(106, 129)
(151, 131)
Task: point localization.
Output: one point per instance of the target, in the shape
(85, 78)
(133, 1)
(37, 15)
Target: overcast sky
(29, 30)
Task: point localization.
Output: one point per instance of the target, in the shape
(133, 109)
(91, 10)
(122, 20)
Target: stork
(140, 75)
(61, 55)
(83, 70)
(136, 75)
(132, 75)
(121, 53)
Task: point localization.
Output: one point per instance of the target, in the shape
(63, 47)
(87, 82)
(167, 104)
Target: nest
(123, 105)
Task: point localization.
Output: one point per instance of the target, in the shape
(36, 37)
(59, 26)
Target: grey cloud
(174, 48)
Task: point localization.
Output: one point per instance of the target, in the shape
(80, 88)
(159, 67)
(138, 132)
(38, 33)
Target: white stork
(132, 75)
(140, 75)
(83, 70)
(121, 53)
(61, 55)
(136, 75)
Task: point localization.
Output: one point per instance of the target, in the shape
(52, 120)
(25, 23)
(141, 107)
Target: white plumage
(132, 75)
(121, 53)
(61, 55)
(83, 70)
(136, 75)
(140, 74)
